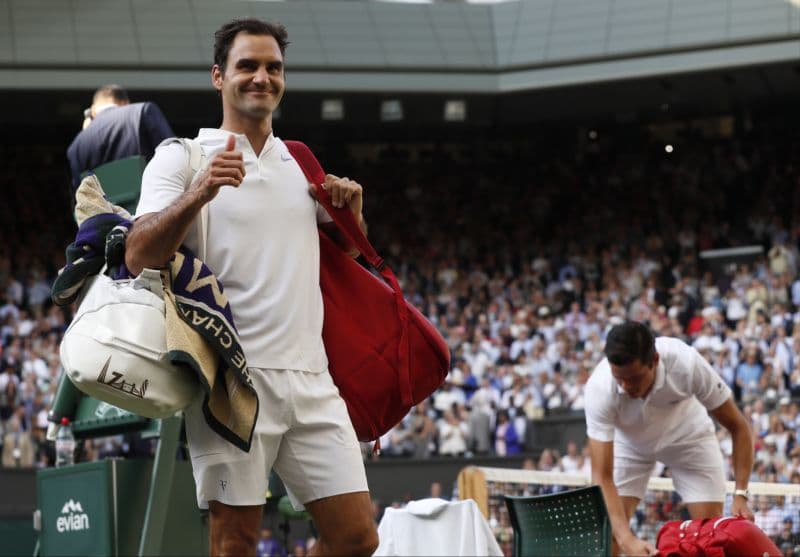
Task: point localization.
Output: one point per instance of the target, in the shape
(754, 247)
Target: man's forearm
(742, 456)
(620, 528)
(156, 237)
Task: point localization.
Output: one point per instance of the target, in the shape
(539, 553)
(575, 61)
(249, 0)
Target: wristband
(742, 493)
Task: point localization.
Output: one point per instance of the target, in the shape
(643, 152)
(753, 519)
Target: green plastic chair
(122, 180)
(571, 522)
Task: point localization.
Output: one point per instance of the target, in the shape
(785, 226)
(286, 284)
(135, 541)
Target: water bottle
(65, 444)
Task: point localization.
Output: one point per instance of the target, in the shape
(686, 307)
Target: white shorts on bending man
(649, 400)
(263, 244)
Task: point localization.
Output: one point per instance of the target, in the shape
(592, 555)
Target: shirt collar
(217, 136)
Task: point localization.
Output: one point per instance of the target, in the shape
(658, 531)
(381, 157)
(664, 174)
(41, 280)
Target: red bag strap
(346, 222)
(343, 217)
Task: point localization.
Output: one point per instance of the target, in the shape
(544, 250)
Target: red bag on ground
(715, 537)
(383, 354)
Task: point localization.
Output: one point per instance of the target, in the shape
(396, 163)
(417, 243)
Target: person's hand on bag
(635, 547)
(345, 192)
(739, 507)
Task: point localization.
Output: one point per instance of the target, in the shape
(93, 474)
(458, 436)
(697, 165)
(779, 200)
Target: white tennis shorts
(303, 431)
(696, 469)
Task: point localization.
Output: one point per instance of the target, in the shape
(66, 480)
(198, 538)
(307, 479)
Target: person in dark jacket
(114, 129)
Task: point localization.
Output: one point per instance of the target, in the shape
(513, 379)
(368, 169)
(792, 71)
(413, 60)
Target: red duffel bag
(383, 354)
(714, 537)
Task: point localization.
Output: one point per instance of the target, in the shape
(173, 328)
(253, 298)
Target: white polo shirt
(263, 246)
(674, 412)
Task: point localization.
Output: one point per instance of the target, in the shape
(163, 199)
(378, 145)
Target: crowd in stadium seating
(524, 272)
(523, 268)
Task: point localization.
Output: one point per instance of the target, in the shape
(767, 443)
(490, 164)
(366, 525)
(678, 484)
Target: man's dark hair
(112, 91)
(223, 38)
(628, 342)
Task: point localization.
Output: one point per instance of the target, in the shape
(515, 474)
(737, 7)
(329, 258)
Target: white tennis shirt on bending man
(675, 410)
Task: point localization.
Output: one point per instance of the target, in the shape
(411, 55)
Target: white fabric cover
(433, 527)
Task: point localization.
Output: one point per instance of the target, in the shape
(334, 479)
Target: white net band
(519, 476)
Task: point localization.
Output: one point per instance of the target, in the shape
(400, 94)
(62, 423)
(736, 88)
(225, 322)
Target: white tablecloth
(433, 527)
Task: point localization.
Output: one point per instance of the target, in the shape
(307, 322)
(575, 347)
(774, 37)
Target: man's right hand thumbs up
(231, 143)
(226, 169)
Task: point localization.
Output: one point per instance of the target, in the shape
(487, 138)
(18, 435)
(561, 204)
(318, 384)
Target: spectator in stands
(398, 440)
(555, 394)
(448, 395)
(571, 462)
(768, 516)
(299, 549)
(796, 292)
(781, 261)
(9, 390)
(586, 461)
(787, 412)
(786, 536)
(549, 461)
(435, 491)
(506, 440)
(748, 375)
(18, 449)
(453, 433)
(770, 455)
(115, 129)
(423, 431)
(268, 546)
(480, 424)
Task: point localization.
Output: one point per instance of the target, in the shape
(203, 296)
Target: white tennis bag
(115, 350)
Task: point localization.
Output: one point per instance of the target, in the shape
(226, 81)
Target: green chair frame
(568, 523)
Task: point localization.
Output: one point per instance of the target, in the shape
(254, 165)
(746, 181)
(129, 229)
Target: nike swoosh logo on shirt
(286, 157)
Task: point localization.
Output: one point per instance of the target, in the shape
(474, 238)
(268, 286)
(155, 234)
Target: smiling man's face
(252, 83)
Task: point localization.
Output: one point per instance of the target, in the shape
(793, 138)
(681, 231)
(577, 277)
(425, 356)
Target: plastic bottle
(65, 444)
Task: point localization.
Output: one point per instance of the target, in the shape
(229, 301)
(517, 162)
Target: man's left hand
(344, 191)
(740, 508)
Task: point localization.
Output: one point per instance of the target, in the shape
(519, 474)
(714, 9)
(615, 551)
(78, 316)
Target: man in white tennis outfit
(649, 400)
(263, 245)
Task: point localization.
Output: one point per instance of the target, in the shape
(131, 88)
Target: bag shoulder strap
(343, 217)
(196, 162)
(196, 155)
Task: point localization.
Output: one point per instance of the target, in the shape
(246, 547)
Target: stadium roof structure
(442, 46)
